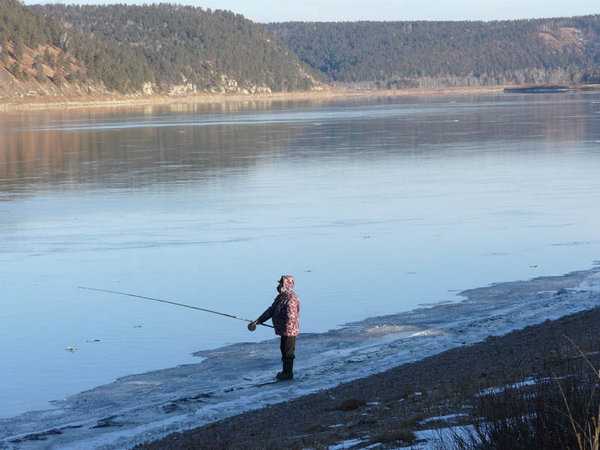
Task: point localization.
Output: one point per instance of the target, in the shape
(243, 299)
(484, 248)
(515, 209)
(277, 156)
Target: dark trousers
(288, 347)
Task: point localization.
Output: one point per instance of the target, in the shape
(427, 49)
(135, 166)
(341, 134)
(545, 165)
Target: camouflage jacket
(285, 311)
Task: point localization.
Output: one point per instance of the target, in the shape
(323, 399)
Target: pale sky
(341, 10)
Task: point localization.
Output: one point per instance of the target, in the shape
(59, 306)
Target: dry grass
(555, 413)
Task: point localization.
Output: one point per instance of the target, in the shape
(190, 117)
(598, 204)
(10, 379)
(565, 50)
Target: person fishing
(285, 313)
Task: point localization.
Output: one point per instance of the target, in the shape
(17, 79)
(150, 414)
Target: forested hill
(39, 57)
(166, 49)
(191, 49)
(430, 54)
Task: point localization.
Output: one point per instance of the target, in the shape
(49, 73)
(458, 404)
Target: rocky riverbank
(121, 101)
(324, 93)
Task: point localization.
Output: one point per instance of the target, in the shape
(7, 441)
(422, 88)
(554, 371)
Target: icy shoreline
(228, 381)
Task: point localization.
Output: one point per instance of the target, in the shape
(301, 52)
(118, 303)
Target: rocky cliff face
(44, 71)
(223, 85)
(48, 71)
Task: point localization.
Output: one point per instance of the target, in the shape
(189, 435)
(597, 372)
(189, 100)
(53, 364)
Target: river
(376, 207)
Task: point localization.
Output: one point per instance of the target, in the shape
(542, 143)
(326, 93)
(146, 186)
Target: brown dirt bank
(53, 103)
(384, 407)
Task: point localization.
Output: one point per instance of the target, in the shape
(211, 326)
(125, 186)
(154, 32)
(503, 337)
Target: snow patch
(346, 444)
(446, 418)
(437, 438)
(501, 389)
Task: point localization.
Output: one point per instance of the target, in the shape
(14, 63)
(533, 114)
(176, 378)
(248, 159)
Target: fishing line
(183, 305)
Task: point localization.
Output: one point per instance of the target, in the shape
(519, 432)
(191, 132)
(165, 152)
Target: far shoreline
(329, 93)
(116, 101)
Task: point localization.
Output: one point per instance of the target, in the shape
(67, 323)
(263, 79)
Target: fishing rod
(183, 305)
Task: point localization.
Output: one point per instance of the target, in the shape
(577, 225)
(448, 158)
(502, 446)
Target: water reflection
(71, 149)
(32, 160)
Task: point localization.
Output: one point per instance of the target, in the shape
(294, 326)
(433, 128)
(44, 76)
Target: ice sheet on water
(592, 283)
(571, 243)
(238, 377)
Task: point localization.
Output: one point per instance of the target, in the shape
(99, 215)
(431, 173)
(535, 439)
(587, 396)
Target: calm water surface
(376, 207)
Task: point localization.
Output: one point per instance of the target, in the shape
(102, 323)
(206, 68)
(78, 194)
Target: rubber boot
(288, 370)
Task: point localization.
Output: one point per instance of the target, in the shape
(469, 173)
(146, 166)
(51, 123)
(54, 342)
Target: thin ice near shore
(232, 379)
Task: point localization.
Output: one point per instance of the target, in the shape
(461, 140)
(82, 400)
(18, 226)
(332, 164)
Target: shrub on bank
(553, 414)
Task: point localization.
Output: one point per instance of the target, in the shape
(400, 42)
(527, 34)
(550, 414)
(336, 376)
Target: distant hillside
(60, 50)
(430, 54)
(191, 49)
(39, 57)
